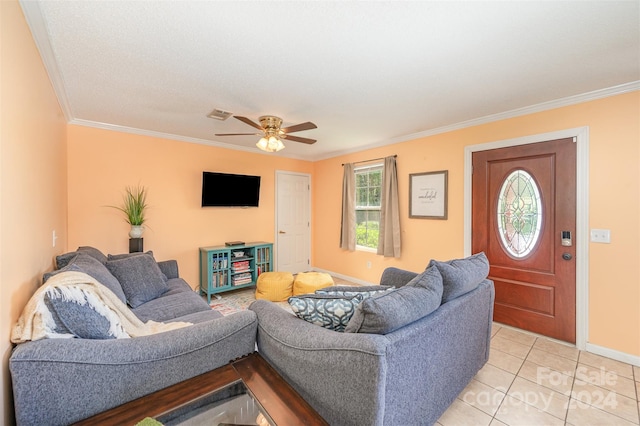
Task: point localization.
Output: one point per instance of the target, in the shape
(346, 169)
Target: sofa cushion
(171, 306)
(140, 278)
(89, 265)
(460, 276)
(326, 310)
(198, 317)
(350, 291)
(177, 285)
(76, 313)
(391, 310)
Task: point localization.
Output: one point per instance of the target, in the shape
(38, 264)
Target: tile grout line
(506, 394)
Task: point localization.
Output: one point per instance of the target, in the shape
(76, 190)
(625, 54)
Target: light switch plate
(601, 236)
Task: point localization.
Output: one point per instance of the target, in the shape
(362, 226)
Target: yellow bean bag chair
(274, 286)
(309, 282)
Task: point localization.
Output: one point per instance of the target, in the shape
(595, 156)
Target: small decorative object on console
(234, 243)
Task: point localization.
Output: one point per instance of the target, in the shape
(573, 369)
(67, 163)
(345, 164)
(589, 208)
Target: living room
(59, 177)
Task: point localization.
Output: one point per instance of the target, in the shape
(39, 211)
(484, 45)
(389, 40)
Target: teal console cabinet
(224, 268)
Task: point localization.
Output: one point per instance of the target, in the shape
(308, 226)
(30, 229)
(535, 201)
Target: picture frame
(428, 195)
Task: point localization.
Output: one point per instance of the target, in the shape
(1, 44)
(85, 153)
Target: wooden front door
(524, 219)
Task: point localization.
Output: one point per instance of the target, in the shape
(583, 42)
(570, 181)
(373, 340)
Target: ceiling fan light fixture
(272, 134)
(263, 144)
(271, 144)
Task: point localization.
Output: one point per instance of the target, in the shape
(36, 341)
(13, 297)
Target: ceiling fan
(272, 133)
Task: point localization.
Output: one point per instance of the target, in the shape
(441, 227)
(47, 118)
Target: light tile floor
(532, 380)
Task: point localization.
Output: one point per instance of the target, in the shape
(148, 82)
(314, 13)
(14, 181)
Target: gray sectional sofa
(397, 354)
(59, 381)
(405, 354)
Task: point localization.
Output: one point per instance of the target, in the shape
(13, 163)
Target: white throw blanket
(36, 322)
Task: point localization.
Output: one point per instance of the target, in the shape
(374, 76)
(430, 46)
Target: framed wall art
(428, 195)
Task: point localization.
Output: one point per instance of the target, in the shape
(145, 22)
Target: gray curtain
(389, 239)
(348, 225)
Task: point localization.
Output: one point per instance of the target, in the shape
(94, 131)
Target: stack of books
(240, 266)
(242, 278)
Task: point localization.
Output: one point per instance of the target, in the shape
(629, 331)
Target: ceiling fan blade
(298, 139)
(238, 134)
(300, 127)
(248, 121)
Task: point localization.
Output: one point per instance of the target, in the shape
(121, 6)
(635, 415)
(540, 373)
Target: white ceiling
(366, 73)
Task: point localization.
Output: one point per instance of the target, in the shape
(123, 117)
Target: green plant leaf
(134, 204)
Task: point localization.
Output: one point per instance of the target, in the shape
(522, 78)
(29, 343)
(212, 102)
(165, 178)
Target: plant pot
(136, 231)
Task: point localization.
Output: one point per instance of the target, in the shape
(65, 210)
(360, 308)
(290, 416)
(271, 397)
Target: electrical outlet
(368, 264)
(601, 236)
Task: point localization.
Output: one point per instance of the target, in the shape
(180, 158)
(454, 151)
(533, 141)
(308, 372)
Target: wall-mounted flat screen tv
(230, 190)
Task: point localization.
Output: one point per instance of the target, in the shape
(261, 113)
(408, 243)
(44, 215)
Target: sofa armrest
(169, 268)
(331, 370)
(396, 277)
(61, 381)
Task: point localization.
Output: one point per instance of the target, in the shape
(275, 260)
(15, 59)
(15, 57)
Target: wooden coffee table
(248, 381)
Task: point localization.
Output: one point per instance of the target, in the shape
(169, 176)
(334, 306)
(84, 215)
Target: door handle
(567, 256)
(281, 232)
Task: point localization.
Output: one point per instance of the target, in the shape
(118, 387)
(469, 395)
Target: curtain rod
(373, 159)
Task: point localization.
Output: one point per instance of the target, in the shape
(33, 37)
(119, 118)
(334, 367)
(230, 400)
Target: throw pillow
(140, 278)
(326, 310)
(89, 265)
(350, 291)
(391, 310)
(460, 276)
(125, 255)
(79, 314)
(93, 252)
(64, 259)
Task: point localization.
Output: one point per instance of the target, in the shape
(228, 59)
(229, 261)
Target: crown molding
(35, 21)
(179, 138)
(33, 16)
(544, 106)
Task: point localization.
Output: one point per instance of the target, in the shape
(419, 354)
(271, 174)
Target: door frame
(276, 209)
(580, 136)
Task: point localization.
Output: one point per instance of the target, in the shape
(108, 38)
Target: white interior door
(293, 227)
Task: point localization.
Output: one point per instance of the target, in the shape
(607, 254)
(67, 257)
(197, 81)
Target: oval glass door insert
(519, 213)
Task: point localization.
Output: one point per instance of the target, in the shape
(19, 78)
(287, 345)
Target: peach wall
(102, 163)
(32, 177)
(51, 174)
(614, 276)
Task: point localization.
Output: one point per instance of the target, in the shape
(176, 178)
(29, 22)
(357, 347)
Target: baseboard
(613, 354)
(344, 277)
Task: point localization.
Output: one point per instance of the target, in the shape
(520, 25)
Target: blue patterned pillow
(326, 310)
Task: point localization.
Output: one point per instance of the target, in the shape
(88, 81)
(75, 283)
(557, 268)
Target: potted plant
(134, 205)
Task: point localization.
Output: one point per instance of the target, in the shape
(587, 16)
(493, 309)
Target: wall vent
(219, 114)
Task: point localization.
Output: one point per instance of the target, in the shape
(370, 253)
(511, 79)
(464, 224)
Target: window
(368, 196)
(519, 213)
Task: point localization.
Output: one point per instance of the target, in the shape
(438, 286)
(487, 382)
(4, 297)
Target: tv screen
(230, 190)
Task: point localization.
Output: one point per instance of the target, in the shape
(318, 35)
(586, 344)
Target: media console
(224, 268)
